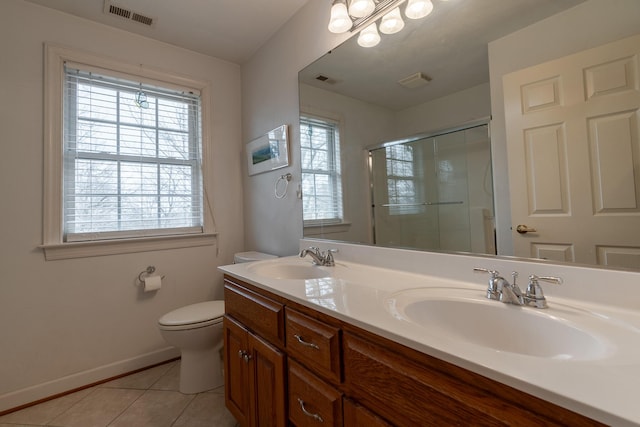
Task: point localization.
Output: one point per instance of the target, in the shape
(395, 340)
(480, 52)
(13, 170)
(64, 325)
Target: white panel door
(573, 146)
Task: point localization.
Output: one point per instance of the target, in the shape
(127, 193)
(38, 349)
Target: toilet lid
(194, 313)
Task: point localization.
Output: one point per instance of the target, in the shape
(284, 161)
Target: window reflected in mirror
(321, 176)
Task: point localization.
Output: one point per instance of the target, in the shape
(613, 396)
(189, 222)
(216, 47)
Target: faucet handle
(493, 273)
(328, 258)
(493, 291)
(534, 296)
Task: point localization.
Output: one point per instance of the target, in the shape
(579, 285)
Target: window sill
(321, 229)
(54, 252)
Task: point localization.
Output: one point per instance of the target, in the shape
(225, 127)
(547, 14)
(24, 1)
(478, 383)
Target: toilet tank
(241, 257)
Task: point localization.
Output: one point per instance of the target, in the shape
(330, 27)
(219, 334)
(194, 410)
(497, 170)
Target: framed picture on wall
(268, 152)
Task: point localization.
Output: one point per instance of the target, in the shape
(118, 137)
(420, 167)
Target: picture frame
(268, 152)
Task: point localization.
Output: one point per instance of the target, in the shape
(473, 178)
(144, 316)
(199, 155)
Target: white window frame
(54, 245)
(335, 225)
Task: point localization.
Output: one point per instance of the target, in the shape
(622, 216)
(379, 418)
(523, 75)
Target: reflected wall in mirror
(464, 48)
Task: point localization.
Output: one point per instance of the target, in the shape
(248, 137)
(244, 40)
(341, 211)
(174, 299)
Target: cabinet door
(236, 371)
(267, 384)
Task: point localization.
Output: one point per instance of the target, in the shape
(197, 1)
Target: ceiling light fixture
(363, 14)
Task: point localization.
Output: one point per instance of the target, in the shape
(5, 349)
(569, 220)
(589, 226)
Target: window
(131, 158)
(401, 180)
(128, 149)
(321, 179)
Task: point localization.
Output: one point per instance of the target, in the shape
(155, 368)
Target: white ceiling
(227, 29)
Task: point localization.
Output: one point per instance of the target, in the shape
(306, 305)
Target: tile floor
(146, 399)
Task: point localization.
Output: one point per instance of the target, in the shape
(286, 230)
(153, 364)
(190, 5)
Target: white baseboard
(84, 378)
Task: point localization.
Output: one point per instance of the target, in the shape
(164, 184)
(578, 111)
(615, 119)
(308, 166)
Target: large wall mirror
(398, 149)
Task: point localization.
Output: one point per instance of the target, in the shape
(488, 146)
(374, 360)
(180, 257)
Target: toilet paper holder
(143, 274)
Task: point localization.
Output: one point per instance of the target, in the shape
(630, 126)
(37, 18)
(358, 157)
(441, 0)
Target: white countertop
(604, 388)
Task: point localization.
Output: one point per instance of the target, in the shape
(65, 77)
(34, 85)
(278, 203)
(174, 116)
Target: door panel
(573, 146)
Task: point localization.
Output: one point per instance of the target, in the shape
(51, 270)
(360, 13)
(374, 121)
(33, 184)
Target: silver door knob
(523, 229)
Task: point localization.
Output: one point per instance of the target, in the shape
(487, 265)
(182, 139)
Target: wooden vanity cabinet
(306, 366)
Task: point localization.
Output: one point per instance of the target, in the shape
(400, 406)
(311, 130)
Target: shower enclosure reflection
(434, 192)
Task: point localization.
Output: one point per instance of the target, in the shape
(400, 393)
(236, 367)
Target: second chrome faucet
(319, 258)
(500, 289)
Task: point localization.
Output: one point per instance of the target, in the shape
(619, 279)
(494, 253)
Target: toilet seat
(193, 316)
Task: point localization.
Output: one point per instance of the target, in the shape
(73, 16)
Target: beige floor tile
(154, 408)
(44, 412)
(206, 410)
(141, 380)
(20, 425)
(219, 390)
(170, 381)
(98, 409)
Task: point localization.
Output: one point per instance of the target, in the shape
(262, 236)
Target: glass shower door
(431, 193)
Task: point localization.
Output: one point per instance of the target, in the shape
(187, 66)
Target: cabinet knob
(316, 417)
(244, 355)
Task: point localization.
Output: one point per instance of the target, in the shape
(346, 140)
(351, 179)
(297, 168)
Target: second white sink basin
(559, 332)
(292, 269)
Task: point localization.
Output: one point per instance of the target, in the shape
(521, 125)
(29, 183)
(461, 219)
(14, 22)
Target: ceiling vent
(325, 79)
(124, 13)
(415, 81)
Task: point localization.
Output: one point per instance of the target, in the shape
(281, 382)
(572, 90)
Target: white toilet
(197, 331)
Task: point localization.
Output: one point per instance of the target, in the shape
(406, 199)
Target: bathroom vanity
(312, 345)
(280, 354)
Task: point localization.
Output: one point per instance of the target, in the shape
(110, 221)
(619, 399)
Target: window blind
(132, 156)
(321, 177)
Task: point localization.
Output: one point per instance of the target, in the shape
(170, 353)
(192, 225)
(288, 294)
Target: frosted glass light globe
(339, 21)
(361, 8)
(369, 37)
(417, 9)
(392, 22)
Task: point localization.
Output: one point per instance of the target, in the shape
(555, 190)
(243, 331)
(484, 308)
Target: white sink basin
(559, 332)
(292, 269)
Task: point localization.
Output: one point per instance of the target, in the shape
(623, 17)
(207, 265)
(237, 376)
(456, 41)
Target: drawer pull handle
(305, 343)
(316, 417)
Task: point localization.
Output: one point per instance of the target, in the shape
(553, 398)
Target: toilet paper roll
(152, 283)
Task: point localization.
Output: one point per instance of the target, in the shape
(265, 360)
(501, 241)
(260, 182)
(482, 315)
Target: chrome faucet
(509, 293)
(319, 258)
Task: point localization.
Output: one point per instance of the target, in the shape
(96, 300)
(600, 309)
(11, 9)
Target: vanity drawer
(312, 402)
(314, 343)
(258, 313)
(357, 416)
